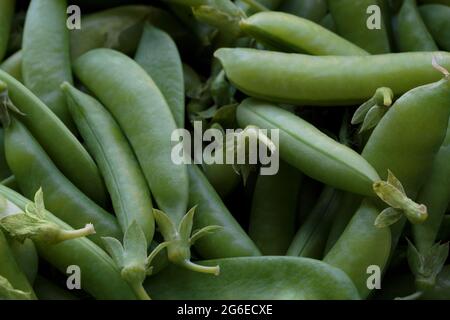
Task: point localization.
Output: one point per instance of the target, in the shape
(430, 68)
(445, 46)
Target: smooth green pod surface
(60, 144)
(116, 160)
(13, 65)
(46, 56)
(26, 257)
(158, 55)
(230, 240)
(437, 20)
(148, 122)
(33, 169)
(255, 278)
(294, 34)
(308, 149)
(101, 277)
(6, 16)
(326, 80)
(313, 10)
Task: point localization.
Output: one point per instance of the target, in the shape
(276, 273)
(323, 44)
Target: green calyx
(393, 194)
(371, 112)
(33, 223)
(7, 291)
(131, 257)
(6, 105)
(427, 265)
(181, 238)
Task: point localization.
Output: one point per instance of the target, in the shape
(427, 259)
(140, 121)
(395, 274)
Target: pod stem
(79, 233)
(440, 68)
(140, 292)
(188, 264)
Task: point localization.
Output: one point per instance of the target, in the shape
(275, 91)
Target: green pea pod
(118, 165)
(273, 212)
(120, 28)
(437, 21)
(61, 145)
(148, 125)
(99, 275)
(10, 270)
(411, 32)
(290, 278)
(435, 194)
(222, 177)
(13, 65)
(6, 16)
(293, 78)
(314, 10)
(354, 22)
(253, 6)
(46, 290)
(158, 55)
(26, 257)
(312, 152)
(294, 34)
(230, 240)
(4, 170)
(33, 169)
(310, 239)
(46, 54)
(360, 246)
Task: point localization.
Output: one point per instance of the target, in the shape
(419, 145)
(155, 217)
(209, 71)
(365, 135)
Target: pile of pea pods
(349, 99)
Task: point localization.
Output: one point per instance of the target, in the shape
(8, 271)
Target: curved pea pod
(13, 65)
(33, 169)
(273, 212)
(6, 16)
(247, 278)
(148, 124)
(61, 145)
(356, 23)
(4, 170)
(294, 34)
(46, 56)
(313, 10)
(437, 21)
(435, 194)
(309, 150)
(11, 277)
(411, 33)
(100, 276)
(361, 246)
(158, 55)
(116, 160)
(26, 257)
(311, 237)
(228, 241)
(120, 28)
(326, 80)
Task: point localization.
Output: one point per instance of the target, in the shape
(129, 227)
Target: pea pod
(273, 212)
(26, 257)
(120, 169)
(313, 10)
(158, 55)
(13, 65)
(411, 32)
(34, 169)
(100, 276)
(46, 57)
(10, 271)
(310, 239)
(294, 34)
(247, 278)
(61, 145)
(312, 152)
(6, 16)
(360, 246)
(437, 21)
(435, 195)
(230, 240)
(352, 22)
(4, 170)
(294, 78)
(46, 290)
